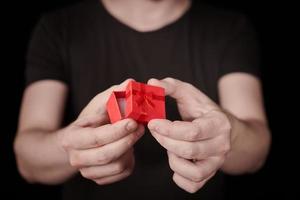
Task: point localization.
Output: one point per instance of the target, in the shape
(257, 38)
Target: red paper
(142, 103)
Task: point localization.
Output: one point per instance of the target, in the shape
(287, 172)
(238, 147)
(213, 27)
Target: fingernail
(151, 126)
(131, 126)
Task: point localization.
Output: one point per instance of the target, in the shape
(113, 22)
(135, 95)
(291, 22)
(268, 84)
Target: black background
(275, 23)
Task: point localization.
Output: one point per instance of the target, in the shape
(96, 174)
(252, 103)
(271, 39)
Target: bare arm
(241, 95)
(40, 157)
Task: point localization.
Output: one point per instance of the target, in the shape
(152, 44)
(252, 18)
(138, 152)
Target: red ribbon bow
(145, 99)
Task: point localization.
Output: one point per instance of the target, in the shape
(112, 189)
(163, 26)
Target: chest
(99, 59)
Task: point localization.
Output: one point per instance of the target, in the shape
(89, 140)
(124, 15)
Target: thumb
(98, 104)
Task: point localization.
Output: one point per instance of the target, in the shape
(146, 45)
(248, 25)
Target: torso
(102, 51)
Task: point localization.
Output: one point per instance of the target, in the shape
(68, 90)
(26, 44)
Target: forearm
(40, 157)
(250, 143)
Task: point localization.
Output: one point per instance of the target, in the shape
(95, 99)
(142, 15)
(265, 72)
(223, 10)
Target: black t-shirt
(89, 50)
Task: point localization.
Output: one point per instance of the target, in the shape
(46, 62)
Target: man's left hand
(196, 146)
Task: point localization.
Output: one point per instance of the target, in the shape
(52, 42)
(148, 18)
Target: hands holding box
(196, 146)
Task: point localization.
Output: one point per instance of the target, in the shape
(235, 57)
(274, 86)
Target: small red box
(139, 101)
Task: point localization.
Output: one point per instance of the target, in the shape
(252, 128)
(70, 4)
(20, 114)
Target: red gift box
(139, 101)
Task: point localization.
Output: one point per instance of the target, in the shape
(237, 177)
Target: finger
(188, 185)
(197, 171)
(114, 168)
(114, 178)
(107, 153)
(95, 137)
(113, 132)
(178, 89)
(98, 103)
(172, 86)
(193, 150)
(182, 130)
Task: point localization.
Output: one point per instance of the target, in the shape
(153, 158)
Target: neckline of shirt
(165, 28)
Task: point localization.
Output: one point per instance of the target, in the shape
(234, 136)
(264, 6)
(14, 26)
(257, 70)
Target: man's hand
(102, 152)
(198, 145)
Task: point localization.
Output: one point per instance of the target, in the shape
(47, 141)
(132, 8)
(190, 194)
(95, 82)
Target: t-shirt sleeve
(44, 59)
(241, 52)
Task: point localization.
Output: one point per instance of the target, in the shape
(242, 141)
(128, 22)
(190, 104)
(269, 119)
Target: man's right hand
(102, 152)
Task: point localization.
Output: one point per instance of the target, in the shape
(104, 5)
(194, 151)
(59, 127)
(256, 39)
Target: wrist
(233, 127)
(59, 138)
